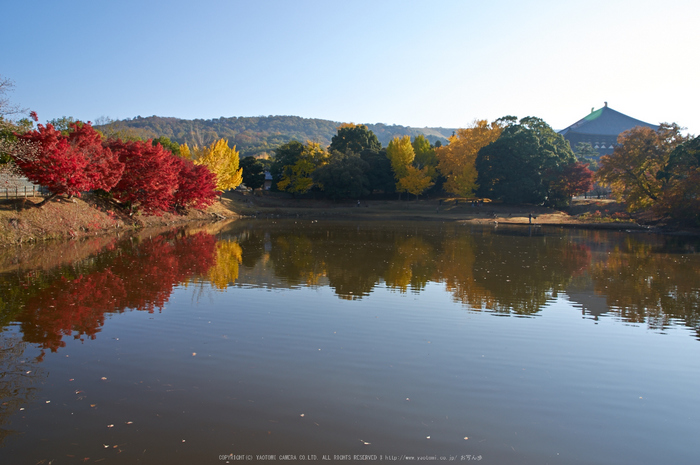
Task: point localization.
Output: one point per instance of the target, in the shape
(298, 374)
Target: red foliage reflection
(139, 277)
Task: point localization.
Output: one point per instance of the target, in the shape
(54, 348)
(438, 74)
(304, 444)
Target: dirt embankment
(22, 221)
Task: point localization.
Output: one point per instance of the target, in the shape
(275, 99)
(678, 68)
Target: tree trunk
(43, 202)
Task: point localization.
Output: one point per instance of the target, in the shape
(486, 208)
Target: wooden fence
(15, 192)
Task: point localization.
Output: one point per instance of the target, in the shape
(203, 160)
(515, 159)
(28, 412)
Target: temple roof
(604, 122)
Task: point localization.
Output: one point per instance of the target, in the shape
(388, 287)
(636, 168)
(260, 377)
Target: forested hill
(252, 135)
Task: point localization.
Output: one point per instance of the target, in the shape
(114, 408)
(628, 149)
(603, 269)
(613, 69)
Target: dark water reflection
(398, 271)
(507, 270)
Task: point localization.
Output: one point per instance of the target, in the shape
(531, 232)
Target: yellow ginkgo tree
(221, 160)
(408, 177)
(456, 161)
(415, 182)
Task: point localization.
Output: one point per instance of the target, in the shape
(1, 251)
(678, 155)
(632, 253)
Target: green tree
(354, 137)
(513, 167)
(253, 173)
(344, 176)
(379, 173)
(680, 199)
(63, 123)
(167, 144)
(285, 156)
(585, 153)
(297, 178)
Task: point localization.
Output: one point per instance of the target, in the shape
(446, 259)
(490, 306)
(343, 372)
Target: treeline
(516, 161)
(511, 160)
(253, 136)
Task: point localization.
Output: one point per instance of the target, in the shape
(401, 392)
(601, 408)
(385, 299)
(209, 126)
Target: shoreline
(21, 222)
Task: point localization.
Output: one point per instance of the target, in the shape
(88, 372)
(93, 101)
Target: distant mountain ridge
(254, 135)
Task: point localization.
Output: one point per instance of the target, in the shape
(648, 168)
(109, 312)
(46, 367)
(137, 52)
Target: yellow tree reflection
(411, 265)
(224, 272)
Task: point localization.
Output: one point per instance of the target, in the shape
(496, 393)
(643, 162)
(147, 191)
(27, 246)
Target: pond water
(273, 341)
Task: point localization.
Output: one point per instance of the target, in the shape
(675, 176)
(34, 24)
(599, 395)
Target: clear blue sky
(416, 63)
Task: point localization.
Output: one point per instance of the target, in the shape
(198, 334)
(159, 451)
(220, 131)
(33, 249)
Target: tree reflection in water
(642, 285)
(484, 270)
(138, 275)
(18, 375)
(506, 270)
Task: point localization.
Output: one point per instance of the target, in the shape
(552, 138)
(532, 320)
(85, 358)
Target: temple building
(601, 128)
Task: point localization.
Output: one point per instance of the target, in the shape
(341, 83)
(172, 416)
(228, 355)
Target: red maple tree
(196, 186)
(69, 164)
(150, 175)
(572, 179)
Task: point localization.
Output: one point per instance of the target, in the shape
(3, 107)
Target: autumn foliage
(570, 180)
(456, 160)
(140, 174)
(196, 185)
(70, 164)
(150, 175)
